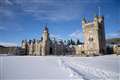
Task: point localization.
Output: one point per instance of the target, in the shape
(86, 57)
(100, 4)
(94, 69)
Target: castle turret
(83, 20)
(83, 23)
(45, 42)
(96, 23)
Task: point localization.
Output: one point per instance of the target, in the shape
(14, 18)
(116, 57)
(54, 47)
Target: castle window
(90, 39)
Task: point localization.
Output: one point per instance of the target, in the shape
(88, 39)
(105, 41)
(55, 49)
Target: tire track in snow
(73, 73)
(83, 72)
(99, 73)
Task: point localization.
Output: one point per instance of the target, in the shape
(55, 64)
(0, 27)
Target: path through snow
(83, 72)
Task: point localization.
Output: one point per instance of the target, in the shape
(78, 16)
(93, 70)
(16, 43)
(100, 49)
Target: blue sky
(25, 19)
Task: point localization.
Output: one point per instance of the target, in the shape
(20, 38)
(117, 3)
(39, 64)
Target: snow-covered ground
(59, 68)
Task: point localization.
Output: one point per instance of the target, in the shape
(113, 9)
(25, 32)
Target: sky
(25, 19)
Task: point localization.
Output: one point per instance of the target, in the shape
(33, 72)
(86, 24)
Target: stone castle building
(45, 46)
(94, 42)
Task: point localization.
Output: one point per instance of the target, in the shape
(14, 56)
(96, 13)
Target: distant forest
(113, 41)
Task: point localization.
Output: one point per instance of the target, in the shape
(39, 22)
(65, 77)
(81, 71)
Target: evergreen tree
(72, 42)
(68, 42)
(64, 41)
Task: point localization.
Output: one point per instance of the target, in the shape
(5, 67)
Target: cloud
(11, 27)
(8, 16)
(2, 28)
(7, 44)
(76, 35)
(8, 2)
(113, 34)
(6, 9)
(45, 9)
(52, 36)
(55, 10)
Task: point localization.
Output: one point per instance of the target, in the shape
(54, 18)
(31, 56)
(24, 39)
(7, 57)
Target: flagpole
(99, 10)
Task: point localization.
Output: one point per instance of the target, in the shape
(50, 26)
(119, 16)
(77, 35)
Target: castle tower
(100, 36)
(31, 47)
(94, 36)
(34, 47)
(45, 42)
(37, 48)
(24, 45)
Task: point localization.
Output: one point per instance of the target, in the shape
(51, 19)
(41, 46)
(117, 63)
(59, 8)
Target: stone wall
(116, 49)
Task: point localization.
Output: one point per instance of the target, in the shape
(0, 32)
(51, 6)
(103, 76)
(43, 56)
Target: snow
(59, 68)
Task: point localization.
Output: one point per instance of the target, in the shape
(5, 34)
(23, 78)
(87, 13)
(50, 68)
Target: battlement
(89, 23)
(97, 23)
(98, 19)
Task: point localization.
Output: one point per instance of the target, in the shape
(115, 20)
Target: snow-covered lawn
(59, 68)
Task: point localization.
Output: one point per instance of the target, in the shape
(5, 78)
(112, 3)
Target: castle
(94, 42)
